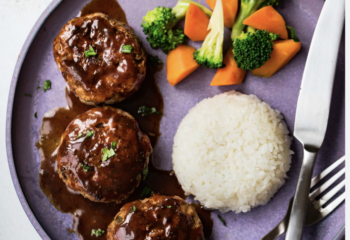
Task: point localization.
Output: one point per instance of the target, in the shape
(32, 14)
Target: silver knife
(314, 102)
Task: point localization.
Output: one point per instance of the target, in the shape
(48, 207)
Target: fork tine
(326, 171)
(329, 195)
(325, 211)
(326, 185)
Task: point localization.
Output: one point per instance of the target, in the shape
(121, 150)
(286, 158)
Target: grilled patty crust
(157, 217)
(103, 154)
(109, 76)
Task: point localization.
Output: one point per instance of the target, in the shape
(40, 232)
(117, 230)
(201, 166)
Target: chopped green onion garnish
(114, 145)
(79, 135)
(90, 52)
(145, 111)
(146, 192)
(144, 173)
(293, 34)
(107, 153)
(28, 95)
(134, 208)
(119, 220)
(35, 115)
(222, 220)
(85, 167)
(98, 232)
(89, 133)
(127, 49)
(169, 206)
(154, 59)
(47, 85)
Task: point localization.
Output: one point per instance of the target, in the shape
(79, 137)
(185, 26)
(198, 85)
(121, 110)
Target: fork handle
(300, 202)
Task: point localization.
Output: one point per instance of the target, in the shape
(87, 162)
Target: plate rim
(10, 102)
(9, 112)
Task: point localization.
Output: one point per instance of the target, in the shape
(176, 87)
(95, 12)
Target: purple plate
(36, 64)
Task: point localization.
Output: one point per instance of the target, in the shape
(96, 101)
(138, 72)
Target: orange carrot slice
(283, 52)
(180, 64)
(230, 74)
(267, 18)
(230, 8)
(196, 23)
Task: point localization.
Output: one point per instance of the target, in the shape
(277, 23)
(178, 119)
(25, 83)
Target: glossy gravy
(88, 215)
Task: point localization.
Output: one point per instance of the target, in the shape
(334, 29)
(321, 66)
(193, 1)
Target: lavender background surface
(280, 91)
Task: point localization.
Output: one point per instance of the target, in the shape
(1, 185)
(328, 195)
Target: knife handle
(300, 202)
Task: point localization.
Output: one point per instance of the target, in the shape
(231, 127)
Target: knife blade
(314, 103)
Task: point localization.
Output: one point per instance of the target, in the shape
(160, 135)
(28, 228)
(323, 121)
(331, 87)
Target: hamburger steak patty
(102, 154)
(157, 217)
(110, 76)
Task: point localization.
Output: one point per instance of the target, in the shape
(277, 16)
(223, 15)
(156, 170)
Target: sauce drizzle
(109, 7)
(88, 215)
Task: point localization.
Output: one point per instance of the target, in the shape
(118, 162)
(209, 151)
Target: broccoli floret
(158, 25)
(251, 50)
(273, 3)
(210, 54)
(247, 8)
(181, 8)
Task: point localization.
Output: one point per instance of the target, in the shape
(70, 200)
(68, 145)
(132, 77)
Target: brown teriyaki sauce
(88, 215)
(109, 7)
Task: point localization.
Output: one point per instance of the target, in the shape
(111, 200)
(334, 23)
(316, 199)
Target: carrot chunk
(196, 23)
(283, 52)
(230, 74)
(267, 18)
(180, 64)
(230, 8)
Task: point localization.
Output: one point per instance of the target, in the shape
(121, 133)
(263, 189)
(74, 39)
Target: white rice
(232, 152)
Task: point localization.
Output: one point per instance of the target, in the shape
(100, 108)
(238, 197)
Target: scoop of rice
(232, 152)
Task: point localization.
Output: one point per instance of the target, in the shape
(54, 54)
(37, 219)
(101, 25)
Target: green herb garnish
(38, 87)
(134, 208)
(114, 145)
(222, 220)
(35, 115)
(154, 59)
(293, 34)
(145, 111)
(146, 192)
(90, 52)
(107, 153)
(119, 220)
(85, 167)
(79, 135)
(89, 133)
(98, 232)
(127, 49)
(28, 95)
(47, 85)
(144, 173)
(169, 206)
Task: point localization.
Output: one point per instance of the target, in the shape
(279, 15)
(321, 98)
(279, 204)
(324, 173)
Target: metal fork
(315, 211)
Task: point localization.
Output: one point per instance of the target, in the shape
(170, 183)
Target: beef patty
(109, 76)
(157, 217)
(102, 154)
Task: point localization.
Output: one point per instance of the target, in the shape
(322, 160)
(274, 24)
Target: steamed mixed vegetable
(210, 54)
(158, 25)
(252, 49)
(259, 37)
(196, 24)
(247, 8)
